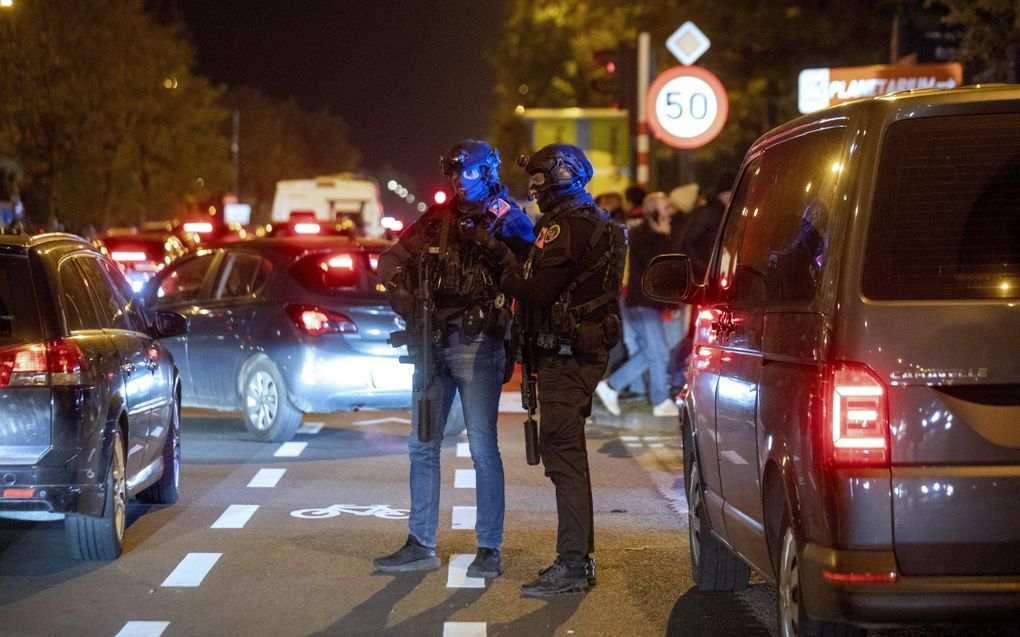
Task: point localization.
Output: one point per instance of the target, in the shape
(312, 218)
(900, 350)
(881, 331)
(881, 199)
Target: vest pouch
(612, 330)
(473, 321)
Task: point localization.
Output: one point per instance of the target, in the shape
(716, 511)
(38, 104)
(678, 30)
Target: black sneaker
(486, 564)
(557, 580)
(413, 556)
(589, 570)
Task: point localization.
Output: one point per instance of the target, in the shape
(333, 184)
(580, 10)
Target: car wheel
(166, 489)
(714, 567)
(268, 413)
(102, 538)
(790, 610)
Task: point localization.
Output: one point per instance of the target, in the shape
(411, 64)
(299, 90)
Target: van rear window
(19, 314)
(946, 218)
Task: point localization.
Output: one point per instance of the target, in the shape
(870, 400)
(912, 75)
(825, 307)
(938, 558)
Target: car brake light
(198, 226)
(128, 256)
(316, 321)
(59, 362)
(341, 261)
(307, 228)
(857, 416)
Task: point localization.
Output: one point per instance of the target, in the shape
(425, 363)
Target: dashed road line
(464, 629)
(236, 516)
(153, 629)
(192, 569)
(464, 517)
(267, 478)
(380, 421)
(457, 574)
(290, 449)
(510, 403)
(463, 450)
(310, 428)
(464, 479)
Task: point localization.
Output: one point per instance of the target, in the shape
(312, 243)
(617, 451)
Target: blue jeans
(474, 367)
(652, 354)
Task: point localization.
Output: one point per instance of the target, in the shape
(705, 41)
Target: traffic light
(615, 76)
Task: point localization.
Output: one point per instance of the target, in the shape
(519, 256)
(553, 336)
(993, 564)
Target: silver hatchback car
(852, 422)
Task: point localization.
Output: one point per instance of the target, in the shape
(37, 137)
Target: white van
(333, 199)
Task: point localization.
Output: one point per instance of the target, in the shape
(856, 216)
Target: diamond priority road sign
(688, 43)
(819, 88)
(688, 106)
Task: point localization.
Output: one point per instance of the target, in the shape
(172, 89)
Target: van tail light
(856, 416)
(316, 321)
(200, 227)
(307, 228)
(58, 362)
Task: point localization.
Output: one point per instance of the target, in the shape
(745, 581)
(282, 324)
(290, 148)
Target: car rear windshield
(19, 314)
(339, 272)
(946, 219)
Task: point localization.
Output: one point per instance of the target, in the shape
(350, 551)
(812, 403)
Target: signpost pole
(644, 53)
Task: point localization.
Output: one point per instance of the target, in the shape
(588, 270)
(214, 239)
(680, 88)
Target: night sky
(410, 78)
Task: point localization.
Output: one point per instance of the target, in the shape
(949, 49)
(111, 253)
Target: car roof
(22, 243)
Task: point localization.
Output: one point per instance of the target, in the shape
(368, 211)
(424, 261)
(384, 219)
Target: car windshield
(339, 272)
(944, 224)
(19, 314)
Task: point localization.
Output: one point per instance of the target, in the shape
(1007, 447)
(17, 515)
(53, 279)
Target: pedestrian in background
(648, 240)
(472, 316)
(12, 212)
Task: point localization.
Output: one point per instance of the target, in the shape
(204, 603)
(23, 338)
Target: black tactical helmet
(470, 160)
(557, 170)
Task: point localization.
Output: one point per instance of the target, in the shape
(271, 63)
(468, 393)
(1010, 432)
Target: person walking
(470, 318)
(566, 296)
(648, 240)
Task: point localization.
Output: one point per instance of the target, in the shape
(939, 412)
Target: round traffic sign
(688, 106)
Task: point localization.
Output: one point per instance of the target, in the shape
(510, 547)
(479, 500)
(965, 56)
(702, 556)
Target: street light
(6, 4)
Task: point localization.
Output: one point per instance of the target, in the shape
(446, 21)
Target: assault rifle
(421, 337)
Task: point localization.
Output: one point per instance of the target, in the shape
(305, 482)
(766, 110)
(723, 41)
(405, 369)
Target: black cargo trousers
(565, 387)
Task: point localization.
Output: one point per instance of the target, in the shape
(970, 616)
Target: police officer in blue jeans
(473, 317)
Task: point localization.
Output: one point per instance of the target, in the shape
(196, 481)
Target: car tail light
(307, 228)
(856, 416)
(340, 262)
(316, 321)
(198, 226)
(128, 257)
(59, 362)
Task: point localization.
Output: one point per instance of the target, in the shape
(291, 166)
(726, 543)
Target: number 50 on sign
(688, 106)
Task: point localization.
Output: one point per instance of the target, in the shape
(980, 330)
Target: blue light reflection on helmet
(472, 166)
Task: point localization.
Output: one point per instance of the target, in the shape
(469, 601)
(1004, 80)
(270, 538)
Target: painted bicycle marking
(377, 510)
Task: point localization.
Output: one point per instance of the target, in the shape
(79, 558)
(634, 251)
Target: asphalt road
(272, 539)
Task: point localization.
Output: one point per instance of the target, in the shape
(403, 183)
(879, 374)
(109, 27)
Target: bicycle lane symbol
(376, 510)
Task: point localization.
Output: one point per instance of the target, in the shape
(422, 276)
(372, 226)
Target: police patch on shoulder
(552, 233)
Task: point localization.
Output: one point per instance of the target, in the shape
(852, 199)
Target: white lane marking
(656, 445)
(267, 478)
(142, 629)
(290, 449)
(379, 421)
(464, 517)
(510, 403)
(192, 569)
(235, 517)
(463, 450)
(630, 437)
(310, 428)
(464, 479)
(464, 629)
(457, 577)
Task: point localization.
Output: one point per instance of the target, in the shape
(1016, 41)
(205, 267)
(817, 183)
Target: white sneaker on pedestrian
(609, 397)
(666, 408)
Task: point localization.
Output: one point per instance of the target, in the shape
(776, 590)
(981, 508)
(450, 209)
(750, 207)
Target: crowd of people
(651, 360)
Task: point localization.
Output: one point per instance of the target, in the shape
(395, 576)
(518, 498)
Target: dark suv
(89, 399)
(852, 423)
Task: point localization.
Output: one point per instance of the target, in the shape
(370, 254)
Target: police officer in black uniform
(470, 320)
(567, 293)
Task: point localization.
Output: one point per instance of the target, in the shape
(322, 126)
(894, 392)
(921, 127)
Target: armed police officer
(441, 282)
(566, 294)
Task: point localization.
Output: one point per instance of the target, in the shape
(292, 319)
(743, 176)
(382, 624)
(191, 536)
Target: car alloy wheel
(119, 484)
(262, 400)
(788, 586)
(694, 509)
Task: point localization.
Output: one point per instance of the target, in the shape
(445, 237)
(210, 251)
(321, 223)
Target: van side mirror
(169, 324)
(670, 278)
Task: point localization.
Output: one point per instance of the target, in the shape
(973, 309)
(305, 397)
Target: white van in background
(333, 199)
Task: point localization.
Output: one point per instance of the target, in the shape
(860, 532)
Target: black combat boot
(413, 556)
(557, 579)
(486, 564)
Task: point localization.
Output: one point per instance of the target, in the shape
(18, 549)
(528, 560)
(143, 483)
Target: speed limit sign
(688, 106)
